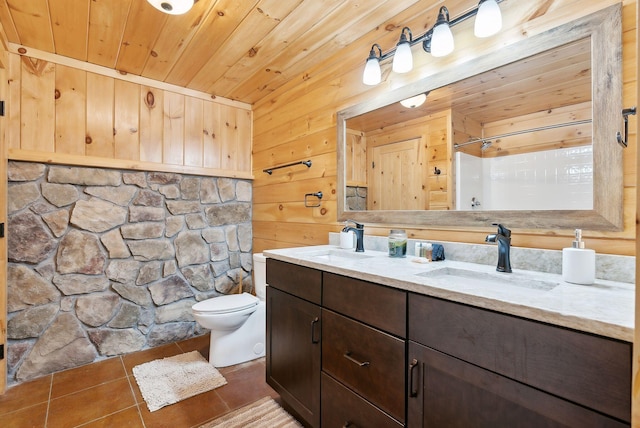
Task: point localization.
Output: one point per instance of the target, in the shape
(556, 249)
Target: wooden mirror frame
(604, 29)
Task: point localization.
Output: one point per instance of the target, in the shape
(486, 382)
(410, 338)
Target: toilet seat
(226, 304)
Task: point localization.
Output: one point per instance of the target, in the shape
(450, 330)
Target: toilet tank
(260, 275)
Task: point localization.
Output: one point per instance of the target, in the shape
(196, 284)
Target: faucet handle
(358, 225)
(502, 230)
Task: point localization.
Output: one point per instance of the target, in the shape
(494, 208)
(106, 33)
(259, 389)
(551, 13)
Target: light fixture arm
(372, 52)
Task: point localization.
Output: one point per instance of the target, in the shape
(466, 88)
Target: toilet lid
(228, 303)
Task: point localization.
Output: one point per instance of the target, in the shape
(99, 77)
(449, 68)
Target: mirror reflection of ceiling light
(438, 41)
(172, 7)
(414, 102)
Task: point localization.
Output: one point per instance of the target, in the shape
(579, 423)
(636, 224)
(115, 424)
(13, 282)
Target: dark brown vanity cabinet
(470, 367)
(293, 337)
(343, 352)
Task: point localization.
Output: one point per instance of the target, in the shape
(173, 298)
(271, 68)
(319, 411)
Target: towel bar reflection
(316, 195)
(270, 170)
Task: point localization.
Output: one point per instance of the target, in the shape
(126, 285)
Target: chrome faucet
(503, 238)
(359, 231)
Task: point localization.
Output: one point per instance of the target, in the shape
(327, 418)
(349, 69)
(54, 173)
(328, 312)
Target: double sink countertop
(605, 308)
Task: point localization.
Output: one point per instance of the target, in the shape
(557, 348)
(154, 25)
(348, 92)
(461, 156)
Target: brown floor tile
(187, 413)
(245, 385)
(132, 360)
(25, 395)
(127, 418)
(106, 394)
(33, 416)
(74, 380)
(90, 404)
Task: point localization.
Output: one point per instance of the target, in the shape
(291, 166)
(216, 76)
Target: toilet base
(244, 344)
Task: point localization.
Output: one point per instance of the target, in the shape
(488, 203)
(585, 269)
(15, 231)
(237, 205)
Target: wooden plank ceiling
(237, 49)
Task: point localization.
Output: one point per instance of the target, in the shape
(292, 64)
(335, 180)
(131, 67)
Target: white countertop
(605, 308)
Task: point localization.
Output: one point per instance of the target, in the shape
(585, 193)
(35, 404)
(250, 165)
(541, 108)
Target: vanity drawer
(299, 281)
(368, 361)
(376, 305)
(341, 407)
(590, 370)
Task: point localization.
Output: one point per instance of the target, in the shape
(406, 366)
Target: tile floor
(105, 394)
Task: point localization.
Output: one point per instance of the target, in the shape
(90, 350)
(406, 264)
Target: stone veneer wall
(106, 262)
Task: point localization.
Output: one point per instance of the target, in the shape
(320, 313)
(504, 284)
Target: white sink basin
(337, 255)
(472, 277)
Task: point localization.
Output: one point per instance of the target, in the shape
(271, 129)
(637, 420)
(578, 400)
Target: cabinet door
(293, 353)
(443, 391)
(587, 369)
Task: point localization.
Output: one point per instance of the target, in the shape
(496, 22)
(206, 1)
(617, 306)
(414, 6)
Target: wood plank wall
(298, 122)
(64, 114)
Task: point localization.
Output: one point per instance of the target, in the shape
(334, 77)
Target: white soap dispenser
(578, 263)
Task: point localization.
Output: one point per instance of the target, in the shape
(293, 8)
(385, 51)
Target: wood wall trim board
(4, 131)
(101, 162)
(104, 71)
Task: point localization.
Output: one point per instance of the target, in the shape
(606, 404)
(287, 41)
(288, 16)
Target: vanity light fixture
(438, 41)
(414, 102)
(442, 37)
(403, 59)
(489, 19)
(372, 74)
(172, 7)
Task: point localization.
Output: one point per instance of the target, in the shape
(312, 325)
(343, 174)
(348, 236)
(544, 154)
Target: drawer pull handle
(313, 330)
(348, 356)
(349, 425)
(412, 391)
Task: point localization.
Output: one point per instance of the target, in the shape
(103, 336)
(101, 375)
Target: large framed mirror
(525, 136)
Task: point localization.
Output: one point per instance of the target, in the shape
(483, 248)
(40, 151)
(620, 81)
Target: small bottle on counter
(397, 243)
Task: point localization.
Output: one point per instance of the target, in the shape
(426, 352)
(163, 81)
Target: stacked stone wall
(106, 262)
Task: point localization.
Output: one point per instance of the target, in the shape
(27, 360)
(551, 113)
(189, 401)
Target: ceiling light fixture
(414, 102)
(172, 7)
(438, 41)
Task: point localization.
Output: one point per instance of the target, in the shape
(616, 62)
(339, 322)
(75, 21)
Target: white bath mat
(169, 380)
(264, 413)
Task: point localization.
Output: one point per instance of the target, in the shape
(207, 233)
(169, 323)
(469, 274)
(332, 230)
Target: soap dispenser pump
(578, 262)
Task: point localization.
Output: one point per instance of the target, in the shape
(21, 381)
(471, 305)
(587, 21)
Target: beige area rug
(169, 380)
(264, 413)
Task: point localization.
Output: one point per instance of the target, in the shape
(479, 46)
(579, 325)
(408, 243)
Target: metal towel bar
(270, 170)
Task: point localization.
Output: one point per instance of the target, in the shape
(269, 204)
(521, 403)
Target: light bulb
(403, 58)
(488, 20)
(442, 37)
(372, 74)
(442, 40)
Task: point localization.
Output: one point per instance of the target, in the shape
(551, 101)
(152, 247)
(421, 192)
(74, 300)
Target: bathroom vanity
(366, 340)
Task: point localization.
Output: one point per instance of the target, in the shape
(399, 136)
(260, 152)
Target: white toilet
(237, 321)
